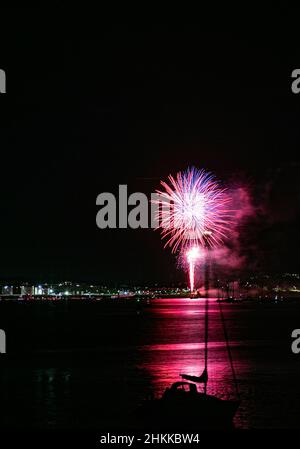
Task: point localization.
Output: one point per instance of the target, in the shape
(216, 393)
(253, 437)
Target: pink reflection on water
(184, 346)
(177, 346)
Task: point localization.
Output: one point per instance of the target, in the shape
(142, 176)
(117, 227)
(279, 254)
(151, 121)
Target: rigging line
(229, 351)
(206, 320)
(206, 341)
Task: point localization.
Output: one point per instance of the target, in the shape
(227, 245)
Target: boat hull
(202, 412)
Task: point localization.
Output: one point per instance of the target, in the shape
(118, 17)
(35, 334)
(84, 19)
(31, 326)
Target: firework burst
(194, 212)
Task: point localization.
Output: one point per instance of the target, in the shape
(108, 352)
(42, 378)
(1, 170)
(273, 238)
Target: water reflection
(96, 377)
(177, 334)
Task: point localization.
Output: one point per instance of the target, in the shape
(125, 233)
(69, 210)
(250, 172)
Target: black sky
(131, 104)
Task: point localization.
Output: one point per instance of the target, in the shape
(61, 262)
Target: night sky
(130, 104)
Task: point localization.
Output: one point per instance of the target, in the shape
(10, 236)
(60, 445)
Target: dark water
(88, 365)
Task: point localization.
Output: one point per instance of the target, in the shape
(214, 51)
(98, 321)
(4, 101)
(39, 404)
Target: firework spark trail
(194, 212)
(192, 256)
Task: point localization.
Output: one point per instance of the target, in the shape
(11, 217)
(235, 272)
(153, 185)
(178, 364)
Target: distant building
(38, 290)
(27, 290)
(7, 290)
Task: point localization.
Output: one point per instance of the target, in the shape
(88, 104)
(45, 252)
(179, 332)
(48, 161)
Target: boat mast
(206, 287)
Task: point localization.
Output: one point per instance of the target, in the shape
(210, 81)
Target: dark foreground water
(87, 365)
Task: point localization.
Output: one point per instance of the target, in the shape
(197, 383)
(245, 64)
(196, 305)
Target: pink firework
(194, 212)
(192, 256)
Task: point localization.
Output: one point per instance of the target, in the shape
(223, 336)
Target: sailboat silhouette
(203, 378)
(181, 405)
